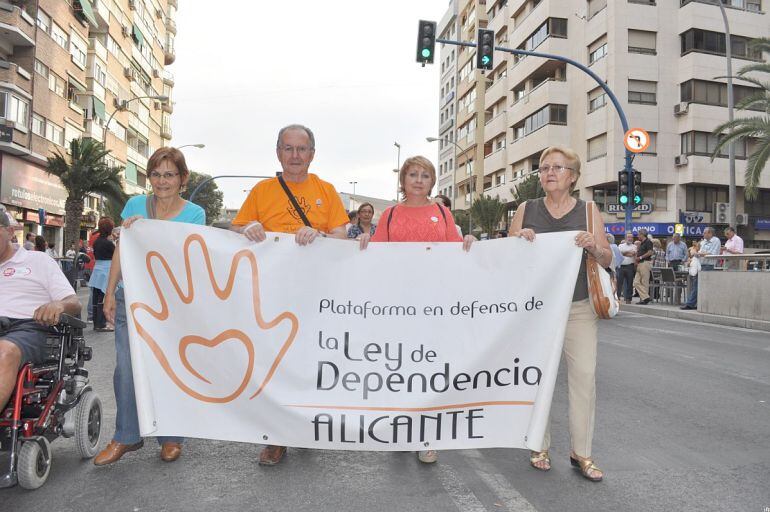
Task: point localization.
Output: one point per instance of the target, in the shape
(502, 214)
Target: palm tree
(84, 172)
(487, 213)
(756, 127)
(530, 188)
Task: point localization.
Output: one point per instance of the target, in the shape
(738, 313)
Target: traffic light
(485, 48)
(426, 42)
(623, 188)
(636, 187)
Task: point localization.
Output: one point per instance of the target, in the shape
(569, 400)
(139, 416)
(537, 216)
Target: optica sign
(656, 228)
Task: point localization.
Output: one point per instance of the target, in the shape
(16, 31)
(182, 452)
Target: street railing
(753, 262)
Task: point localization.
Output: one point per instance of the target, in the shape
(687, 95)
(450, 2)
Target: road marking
(461, 495)
(510, 497)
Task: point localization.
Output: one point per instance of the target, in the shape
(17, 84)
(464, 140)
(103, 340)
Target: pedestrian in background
(627, 250)
(643, 267)
(51, 250)
(676, 252)
(442, 199)
(363, 224)
(617, 257)
(29, 241)
(40, 244)
(559, 171)
(417, 219)
(104, 248)
(658, 254)
(733, 245)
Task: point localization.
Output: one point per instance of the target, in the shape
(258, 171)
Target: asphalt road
(683, 423)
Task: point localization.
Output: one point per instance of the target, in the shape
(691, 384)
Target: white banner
(403, 346)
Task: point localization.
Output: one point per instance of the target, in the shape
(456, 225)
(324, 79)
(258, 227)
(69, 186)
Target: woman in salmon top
(417, 219)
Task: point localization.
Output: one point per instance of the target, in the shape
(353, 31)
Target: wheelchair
(50, 400)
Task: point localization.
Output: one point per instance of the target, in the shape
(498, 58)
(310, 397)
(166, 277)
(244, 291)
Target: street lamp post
(398, 168)
(468, 172)
(354, 186)
(199, 146)
(730, 108)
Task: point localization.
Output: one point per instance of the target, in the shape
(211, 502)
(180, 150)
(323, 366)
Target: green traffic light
(426, 53)
(623, 199)
(485, 60)
(637, 199)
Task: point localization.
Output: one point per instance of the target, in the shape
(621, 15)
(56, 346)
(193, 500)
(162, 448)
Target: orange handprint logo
(195, 342)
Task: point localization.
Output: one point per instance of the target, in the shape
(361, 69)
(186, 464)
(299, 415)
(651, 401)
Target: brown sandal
(586, 466)
(535, 457)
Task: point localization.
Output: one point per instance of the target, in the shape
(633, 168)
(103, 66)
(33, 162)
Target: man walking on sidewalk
(643, 267)
(626, 274)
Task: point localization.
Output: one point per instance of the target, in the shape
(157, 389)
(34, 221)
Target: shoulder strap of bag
(150, 205)
(441, 209)
(294, 202)
(390, 217)
(590, 217)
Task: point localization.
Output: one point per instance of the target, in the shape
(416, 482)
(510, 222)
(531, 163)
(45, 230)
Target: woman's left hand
(585, 240)
(468, 241)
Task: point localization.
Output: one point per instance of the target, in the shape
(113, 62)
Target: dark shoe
(114, 451)
(644, 302)
(271, 455)
(169, 452)
(688, 307)
(628, 301)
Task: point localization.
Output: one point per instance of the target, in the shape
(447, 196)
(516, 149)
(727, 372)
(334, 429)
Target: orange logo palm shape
(230, 334)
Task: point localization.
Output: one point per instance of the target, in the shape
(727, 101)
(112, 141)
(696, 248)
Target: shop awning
(88, 12)
(138, 36)
(99, 109)
(131, 172)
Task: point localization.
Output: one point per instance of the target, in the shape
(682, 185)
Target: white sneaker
(427, 456)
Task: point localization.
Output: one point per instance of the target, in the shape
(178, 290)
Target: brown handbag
(601, 287)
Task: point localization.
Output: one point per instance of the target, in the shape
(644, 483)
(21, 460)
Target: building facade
(66, 69)
(665, 61)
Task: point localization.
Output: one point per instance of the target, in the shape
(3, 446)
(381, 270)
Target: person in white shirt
(627, 270)
(34, 294)
(733, 245)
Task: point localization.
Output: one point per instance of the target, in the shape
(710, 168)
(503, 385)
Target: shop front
(35, 198)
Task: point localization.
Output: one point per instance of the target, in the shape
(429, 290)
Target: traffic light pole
(623, 120)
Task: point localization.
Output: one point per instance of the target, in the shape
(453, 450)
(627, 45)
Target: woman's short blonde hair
(419, 161)
(572, 158)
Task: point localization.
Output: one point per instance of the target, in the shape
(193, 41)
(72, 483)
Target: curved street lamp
(122, 106)
(467, 171)
(199, 146)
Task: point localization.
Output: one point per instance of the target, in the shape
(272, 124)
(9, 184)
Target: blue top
(676, 251)
(190, 214)
(617, 255)
(355, 230)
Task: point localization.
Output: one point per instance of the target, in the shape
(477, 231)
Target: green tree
(755, 127)
(84, 171)
(487, 213)
(461, 219)
(209, 197)
(527, 190)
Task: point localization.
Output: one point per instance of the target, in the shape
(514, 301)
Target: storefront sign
(25, 185)
(656, 229)
(762, 224)
(619, 208)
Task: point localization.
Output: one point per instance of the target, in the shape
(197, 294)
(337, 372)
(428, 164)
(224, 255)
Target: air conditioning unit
(680, 109)
(125, 31)
(158, 105)
(721, 213)
(156, 73)
(742, 219)
(158, 13)
(128, 73)
(680, 160)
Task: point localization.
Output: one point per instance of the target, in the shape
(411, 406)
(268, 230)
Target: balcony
(165, 132)
(496, 91)
(548, 91)
(496, 161)
(172, 3)
(11, 73)
(17, 28)
(171, 26)
(496, 126)
(101, 13)
(169, 56)
(548, 135)
(168, 78)
(167, 106)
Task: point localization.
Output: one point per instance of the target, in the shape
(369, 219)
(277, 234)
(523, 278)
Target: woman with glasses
(168, 175)
(559, 210)
(418, 218)
(364, 223)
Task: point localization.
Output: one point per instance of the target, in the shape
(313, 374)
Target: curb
(695, 316)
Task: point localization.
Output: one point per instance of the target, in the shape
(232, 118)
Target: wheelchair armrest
(72, 321)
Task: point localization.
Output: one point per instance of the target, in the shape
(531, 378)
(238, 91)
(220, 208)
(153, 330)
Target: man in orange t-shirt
(268, 208)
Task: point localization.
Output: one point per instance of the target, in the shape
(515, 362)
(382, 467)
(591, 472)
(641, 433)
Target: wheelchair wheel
(34, 463)
(88, 424)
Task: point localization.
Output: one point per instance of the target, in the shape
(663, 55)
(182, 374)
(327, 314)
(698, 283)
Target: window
(702, 199)
(41, 68)
(641, 41)
(597, 50)
(597, 98)
(43, 21)
(657, 195)
(652, 149)
(99, 74)
(704, 143)
(706, 41)
(38, 125)
(59, 35)
(78, 49)
(594, 6)
(642, 92)
(597, 147)
(118, 130)
(57, 84)
(54, 133)
(17, 111)
(556, 27)
(714, 93)
(760, 206)
(70, 133)
(550, 114)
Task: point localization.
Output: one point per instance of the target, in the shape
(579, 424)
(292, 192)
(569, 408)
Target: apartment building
(67, 68)
(665, 61)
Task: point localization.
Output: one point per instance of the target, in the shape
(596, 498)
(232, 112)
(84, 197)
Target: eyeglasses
(167, 175)
(301, 150)
(558, 169)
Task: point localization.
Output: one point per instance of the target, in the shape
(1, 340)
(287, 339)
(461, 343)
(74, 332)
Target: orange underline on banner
(406, 409)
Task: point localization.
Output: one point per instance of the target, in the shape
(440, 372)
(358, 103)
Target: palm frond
(754, 167)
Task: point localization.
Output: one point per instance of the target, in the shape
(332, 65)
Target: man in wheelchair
(35, 293)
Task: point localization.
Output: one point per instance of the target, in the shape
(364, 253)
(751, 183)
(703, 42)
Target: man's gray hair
(708, 229)
(642, 231)
(296, 127)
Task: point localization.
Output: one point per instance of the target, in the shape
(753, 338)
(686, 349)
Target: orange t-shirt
(269, 204)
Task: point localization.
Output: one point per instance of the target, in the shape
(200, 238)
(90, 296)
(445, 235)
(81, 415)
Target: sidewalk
(672, 311)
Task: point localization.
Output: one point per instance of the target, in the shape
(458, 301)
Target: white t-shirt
(28, 280)
(626, 247)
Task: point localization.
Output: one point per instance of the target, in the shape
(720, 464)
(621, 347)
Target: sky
(344, 68)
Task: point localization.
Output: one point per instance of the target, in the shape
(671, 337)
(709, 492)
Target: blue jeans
(692, 299)
(126, 420)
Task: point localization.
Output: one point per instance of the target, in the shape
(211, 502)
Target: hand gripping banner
(403, 346)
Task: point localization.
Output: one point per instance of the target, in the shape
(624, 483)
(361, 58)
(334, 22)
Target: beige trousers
(580, 353)
(642, 279)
